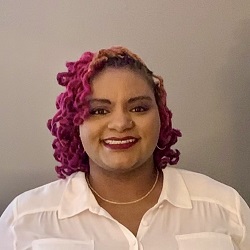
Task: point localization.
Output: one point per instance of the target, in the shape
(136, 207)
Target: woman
(113, 139)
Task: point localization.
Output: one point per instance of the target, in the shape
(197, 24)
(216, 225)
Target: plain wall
(201, 48)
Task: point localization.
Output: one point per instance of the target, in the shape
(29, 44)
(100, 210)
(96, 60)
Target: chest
(130, 217)
(163, 227)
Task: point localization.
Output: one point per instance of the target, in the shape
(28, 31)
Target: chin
(120, 167)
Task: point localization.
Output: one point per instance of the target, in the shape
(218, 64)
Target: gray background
(201, 48)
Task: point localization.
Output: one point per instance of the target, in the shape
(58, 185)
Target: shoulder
(41, 199)
(205, 189)
(46, 197)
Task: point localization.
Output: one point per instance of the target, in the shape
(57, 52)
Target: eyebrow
(100, 100)
(130, 100)
(140, 98)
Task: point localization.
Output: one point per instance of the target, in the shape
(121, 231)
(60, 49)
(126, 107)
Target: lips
(120, 143)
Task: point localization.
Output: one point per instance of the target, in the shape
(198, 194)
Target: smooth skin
(122, 105)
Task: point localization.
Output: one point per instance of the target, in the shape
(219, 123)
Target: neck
(122, 186)
(126, 202)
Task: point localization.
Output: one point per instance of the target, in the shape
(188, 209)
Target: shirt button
(145, 223)
(161, 206)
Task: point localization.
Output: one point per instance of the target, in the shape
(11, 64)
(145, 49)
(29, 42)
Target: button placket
(133, 245)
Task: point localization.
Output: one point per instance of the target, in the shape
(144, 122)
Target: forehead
(120, 82)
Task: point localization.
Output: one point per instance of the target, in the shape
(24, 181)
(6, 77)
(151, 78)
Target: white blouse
(194, 212)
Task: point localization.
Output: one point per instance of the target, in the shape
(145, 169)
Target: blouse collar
(77, 197)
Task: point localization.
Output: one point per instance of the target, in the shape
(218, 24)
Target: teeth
(119, 142)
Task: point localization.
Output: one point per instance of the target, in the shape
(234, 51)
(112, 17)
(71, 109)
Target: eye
(98, 111)
(139, 109)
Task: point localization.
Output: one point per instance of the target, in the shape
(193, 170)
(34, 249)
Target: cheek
(84, 134)
(90, 133)
(152, 128)
(156, 127)
(156, 131)
(156, 123)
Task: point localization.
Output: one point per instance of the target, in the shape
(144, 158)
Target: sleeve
(244, 217)
(7, 237)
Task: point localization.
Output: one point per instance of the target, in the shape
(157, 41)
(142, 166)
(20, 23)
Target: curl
(72, 109)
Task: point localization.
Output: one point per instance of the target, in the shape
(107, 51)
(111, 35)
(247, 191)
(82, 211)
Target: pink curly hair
(73, 109)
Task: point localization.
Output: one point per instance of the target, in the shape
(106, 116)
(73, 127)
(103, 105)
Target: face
(122, 130)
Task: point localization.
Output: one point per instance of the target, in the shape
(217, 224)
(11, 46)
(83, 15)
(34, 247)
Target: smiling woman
(113, 141)
(123, 134)
(76, 105)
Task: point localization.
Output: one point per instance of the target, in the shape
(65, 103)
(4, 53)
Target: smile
(114, 142)
(120, 143)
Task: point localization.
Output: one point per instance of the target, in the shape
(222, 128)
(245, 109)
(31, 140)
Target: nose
(121, 121)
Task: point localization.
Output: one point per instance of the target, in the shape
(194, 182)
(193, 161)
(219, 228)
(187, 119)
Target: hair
(73, 108)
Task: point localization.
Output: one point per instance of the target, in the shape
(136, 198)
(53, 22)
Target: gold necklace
(123, 203)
